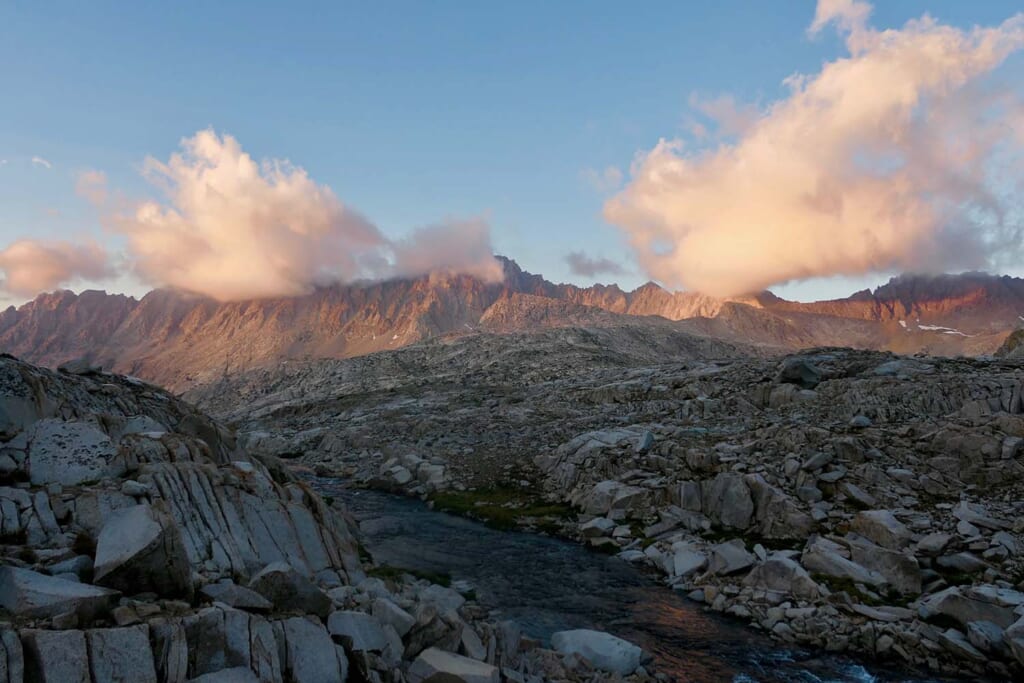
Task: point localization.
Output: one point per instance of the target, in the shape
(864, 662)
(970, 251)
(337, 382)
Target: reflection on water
(547, 585)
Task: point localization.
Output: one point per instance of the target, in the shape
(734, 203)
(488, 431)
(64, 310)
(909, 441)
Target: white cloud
(883, 160)
(39, 161)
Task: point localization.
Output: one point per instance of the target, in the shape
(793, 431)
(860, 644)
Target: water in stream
(548, 585)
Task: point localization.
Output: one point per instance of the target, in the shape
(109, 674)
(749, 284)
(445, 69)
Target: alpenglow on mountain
(178, 339)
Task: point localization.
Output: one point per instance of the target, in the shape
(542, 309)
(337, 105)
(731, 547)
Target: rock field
(857, 501)
(141, 542)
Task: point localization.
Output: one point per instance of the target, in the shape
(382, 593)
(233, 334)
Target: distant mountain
(179, 340)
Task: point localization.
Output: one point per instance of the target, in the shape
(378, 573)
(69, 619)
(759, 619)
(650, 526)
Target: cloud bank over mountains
(33, 266)
(902, 155)
(230, 227)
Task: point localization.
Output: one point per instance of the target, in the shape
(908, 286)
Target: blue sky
(410, 111)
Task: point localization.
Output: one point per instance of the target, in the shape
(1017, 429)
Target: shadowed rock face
(139, 541)
(180, 340)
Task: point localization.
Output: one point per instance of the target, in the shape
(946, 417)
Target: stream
(548, 585)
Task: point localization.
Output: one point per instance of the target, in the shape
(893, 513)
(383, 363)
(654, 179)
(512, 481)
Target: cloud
(607, 180)
(585, 266)
(729, 117)
(456, 246)
(92, 185)
(848, 15)
(901, 155)
(39, 161)
(233, 228)
(33, 266)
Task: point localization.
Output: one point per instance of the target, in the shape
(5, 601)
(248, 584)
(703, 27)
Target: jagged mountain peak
(176, 338)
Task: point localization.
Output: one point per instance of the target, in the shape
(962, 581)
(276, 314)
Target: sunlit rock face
(180, 340)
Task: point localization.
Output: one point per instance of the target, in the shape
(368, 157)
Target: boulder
(358, 631)
(957, 644)
(781, 574)
(933, 544)
(12, 656)
(387, 612)
(1014, 639)
(882, 527)
(817, 461)
(687, 560)
(237, 596)
(822, 558)
(730, 557)
(67, 453)
(611, 495)
(118, 655)
(986, 636)
(900, 570)
(965, 605)
(978, 516)
(776, 515)
(599, 526)
(237, 674)
(140, 549)
(799, 371)
(55, 656)
(26, 593)
(859, 496)
(442, 597)
(964, 563)
(310, 655)
(288, 590)
(603, 650)
(727, 500)
(436, 666)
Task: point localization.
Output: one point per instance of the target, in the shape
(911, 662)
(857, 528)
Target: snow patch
(943, 330)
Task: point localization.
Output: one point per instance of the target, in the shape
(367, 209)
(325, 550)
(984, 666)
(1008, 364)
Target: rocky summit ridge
(140, 541)
(180, 340)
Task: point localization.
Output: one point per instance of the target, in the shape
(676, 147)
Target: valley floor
(857, 501)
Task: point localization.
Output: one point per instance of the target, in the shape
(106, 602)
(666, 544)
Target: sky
(259, 149)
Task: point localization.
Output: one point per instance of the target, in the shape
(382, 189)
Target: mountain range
(179, 340)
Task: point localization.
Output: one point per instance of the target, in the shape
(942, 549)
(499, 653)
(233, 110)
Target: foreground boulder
(140, 550)
(281, 585)
(603, 650)
(435, 665)
(27, 593)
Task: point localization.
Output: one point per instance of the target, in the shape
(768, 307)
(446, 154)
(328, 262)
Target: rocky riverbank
(140, 542)
(855, 501)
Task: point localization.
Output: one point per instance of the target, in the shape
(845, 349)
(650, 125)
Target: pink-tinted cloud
(881, 161)
(33, 266)
(455, 246)
(92, 185)
(234, 228)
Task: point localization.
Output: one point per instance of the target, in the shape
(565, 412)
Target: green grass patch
(387, 572)
(500, 508)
